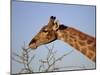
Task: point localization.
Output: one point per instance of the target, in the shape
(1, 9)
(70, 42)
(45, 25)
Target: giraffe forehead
(45, 27)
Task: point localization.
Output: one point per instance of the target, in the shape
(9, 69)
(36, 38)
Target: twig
(25, 59)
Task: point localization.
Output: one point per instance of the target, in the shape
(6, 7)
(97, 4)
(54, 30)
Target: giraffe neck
(80, 41)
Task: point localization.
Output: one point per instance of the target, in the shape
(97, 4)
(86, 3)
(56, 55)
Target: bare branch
(19, 56)
(24, 59)
(31, 59)
(47, 64)
(17, 60)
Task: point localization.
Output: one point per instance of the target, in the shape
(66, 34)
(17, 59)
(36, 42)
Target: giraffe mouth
(33, 46)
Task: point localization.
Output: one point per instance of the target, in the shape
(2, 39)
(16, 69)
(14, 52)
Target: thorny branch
(25, 59)
(46, 65)
(51, 59)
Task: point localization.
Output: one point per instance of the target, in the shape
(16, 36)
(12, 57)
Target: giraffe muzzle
(33, 46)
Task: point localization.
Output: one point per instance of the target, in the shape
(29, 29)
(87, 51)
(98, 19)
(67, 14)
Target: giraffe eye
(45, 31)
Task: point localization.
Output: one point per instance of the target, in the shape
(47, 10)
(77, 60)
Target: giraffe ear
(56, 25)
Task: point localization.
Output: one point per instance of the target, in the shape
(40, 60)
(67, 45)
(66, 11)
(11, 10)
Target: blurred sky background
(29, 17)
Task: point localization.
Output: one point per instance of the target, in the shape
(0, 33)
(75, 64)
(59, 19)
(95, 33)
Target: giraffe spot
(82, 43)
(73, 33)
(75, 40)
(71, 44)
(82, 36)
(84, 50)
(90, 54)
(76, 46)
(91, 48)
(71, 40)
(66, 36)
(71, 36)
(89, 41)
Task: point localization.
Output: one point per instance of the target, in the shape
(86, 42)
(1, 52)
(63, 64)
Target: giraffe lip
(33, 46)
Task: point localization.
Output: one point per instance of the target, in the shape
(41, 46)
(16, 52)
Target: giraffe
(82, 42)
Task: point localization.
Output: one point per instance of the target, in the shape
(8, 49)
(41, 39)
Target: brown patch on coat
(84, 50)
(90, 54)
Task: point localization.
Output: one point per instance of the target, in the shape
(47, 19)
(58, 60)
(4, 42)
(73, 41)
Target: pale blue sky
(29, 17)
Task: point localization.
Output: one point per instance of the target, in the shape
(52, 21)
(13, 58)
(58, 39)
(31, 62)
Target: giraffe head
(46, 35)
